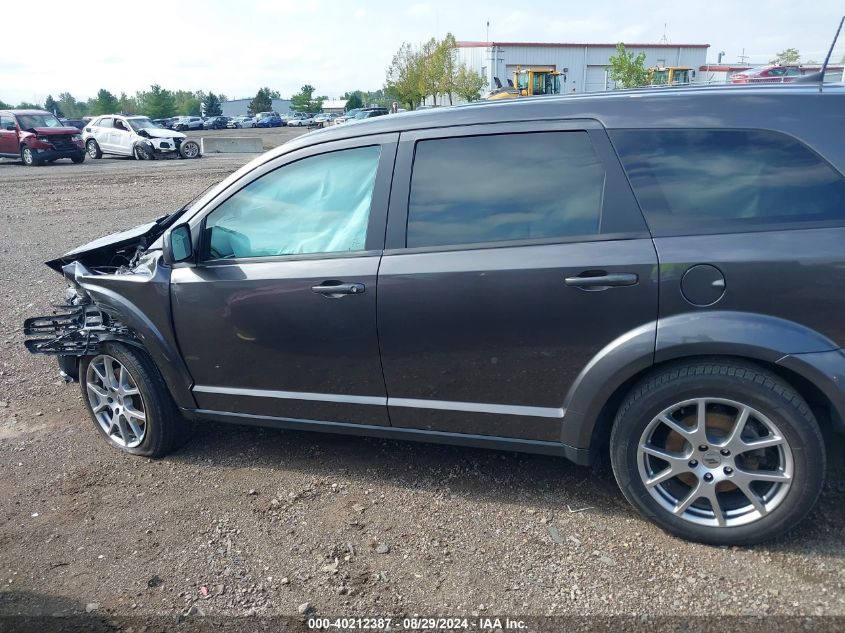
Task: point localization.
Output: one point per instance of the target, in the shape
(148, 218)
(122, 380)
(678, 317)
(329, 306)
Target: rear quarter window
(690, 181)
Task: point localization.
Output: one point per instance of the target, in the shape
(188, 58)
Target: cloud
(420, 9)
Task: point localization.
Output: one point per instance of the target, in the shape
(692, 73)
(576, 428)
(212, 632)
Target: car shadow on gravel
(477, 475)
(549, 484)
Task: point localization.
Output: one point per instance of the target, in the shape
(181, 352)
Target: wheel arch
(801, 356)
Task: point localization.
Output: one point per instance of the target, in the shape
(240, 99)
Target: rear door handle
(333, 288)
(600, 280)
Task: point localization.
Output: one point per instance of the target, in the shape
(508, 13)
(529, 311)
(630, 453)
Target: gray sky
(236, 47)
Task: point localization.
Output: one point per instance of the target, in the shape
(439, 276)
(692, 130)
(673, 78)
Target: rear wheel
(718, 452)
(129, 402)
(93, 149)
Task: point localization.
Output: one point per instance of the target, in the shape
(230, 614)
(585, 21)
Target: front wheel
(189, 149)
(129, 402)
(720, 452)
(78, 159)
(142, 152)
(28, 157)
(93, 149)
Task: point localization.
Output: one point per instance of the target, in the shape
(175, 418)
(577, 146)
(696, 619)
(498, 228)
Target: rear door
(515, 253)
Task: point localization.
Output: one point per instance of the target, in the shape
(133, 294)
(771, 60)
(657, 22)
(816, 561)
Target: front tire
(93, 149)
(28, 157)
(78, 159)
(721, 452)
(189, 149)
(128, 401)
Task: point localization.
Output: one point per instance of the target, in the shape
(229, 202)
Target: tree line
(431, 70)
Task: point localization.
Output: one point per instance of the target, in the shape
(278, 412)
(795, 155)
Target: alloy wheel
(191, 149)
(27, 156)
(116, 401)
(715, 462)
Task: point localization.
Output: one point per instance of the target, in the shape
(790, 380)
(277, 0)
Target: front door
(278, 318)
(524, 256)
(121, 138)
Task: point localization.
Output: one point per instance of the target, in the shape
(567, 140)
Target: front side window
(319, 204)
(710, 180)
(504, 187)
(6, 122)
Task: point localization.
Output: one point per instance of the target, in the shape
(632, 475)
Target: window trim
(619, 207)
(378, 203)
(721, 230)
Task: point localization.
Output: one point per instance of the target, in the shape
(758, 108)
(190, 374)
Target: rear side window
(105, 122)
(728, 180)
(504, 187)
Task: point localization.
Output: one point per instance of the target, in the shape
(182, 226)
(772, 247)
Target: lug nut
(703, 448)
(708, 477)
(729, 470)
(725, 452)
(693, 463)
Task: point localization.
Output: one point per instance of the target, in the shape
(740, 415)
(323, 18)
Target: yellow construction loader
(670, 76)
(528, 82)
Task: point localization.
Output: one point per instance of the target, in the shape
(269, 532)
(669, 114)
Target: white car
(301, 120)
(242, 121)
(135, 136)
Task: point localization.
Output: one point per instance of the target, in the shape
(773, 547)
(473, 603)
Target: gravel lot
(247, 521)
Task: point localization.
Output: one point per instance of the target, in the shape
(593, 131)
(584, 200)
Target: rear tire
(129, 403)
(715, 486)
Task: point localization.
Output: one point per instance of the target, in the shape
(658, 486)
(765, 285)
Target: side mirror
(10, 127)
(178, 246)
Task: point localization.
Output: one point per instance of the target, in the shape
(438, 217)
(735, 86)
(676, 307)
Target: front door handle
(334, 288)
(601, 280)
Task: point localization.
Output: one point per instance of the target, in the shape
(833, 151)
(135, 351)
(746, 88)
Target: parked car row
(37, 137)
(768, 75)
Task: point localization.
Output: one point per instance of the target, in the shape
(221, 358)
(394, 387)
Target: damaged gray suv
(653, 276)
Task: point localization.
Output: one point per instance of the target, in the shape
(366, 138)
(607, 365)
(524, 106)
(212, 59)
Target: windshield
(27, 121)
(141, 123)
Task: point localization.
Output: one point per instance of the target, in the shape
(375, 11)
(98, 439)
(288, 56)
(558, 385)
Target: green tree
(787, 57)
(157, 102)
(354, 99)
(4, 105)
(468, 84)
(26, 105)
(71, 107)
(128, 104)
(446, 61)
(262, 102)
(187, 103)
(305, 101)
(627, 70)
(212, 105)
(404, 77)
(51, 105)
(105, 102)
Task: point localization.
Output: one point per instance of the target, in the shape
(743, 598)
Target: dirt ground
(251, 522)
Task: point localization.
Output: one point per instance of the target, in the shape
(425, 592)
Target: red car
(767, 74)
(37, 137)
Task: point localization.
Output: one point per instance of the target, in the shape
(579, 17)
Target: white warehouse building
(585, 66)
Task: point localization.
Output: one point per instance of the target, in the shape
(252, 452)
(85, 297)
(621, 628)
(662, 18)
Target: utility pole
(743, 57)
(487, 38)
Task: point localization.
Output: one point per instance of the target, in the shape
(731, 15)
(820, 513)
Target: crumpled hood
(157, 132)
(53, 131)
(112, 249)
